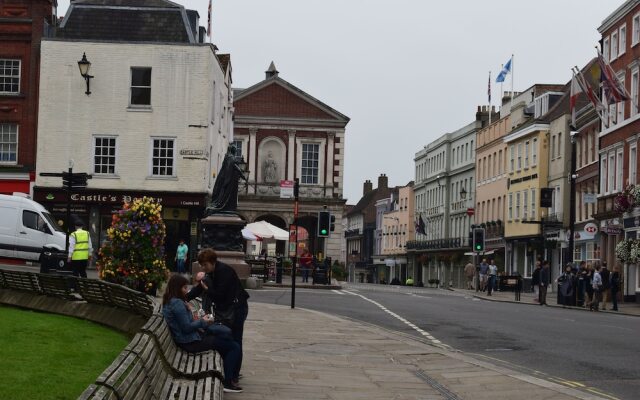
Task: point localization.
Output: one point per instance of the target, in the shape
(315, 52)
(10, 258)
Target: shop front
(181, 213)
(11, 183)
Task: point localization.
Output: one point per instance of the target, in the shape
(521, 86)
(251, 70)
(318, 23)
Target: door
(8, 221)
(31, 235)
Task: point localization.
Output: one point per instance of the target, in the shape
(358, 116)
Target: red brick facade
(22, 25)
(275, 100)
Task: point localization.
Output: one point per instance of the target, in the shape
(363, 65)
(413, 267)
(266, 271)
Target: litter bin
(279, 270)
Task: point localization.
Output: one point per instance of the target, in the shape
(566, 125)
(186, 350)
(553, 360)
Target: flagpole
(501, 91)
(512, 75)
(489, 97)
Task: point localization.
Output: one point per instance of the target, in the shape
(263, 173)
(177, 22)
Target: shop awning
(265, 230)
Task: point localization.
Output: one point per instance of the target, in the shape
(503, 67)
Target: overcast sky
(405, 71)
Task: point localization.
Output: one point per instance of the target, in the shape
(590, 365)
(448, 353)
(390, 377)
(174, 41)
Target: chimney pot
(383, 181)
(367, 187)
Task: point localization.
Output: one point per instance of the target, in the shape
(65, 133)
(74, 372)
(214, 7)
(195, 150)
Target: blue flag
(505, 70)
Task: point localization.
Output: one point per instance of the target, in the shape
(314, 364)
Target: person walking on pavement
(484, 269)
(597, 289)
(181, 257)
(221, 288)
(566, 283)
(535, 281)
(615, 286)
(544, 282)
(604, 274)
(469, 273)
(305, 265)
(80, 250)
(588, 279)
(580, 284)
(492, 276)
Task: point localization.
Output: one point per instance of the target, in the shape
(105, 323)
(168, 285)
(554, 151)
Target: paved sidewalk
(301, 354)
(529, 298)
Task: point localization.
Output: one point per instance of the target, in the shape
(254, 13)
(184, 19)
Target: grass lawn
(49, 356)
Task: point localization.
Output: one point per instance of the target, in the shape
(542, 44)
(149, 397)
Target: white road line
(337, 291)
(424, 333)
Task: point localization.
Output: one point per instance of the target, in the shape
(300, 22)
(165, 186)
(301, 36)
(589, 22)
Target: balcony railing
(450, 243)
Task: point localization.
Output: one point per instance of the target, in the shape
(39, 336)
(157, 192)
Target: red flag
(573, 97)
(209, 20)
(613, 90)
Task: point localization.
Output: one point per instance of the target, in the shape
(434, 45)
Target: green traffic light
(323, 231)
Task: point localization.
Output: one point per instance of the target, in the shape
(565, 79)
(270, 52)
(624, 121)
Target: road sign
(286, 189)
(470, 211)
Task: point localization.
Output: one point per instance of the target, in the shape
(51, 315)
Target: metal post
(66, 246)
(295, 252)
(572, 200)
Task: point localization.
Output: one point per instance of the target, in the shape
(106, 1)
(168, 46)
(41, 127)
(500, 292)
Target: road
(590, 351)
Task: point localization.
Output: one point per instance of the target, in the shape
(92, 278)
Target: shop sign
(286, 189)
(612, 230)
(589, 198)
(117, 199)
(590, 230)
(631, 222)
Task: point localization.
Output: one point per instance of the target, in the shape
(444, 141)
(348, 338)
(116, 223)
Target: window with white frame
(519, 156)
(534, 152)
(605, 48)
(310, 163)
(623, 39)
(533, 203)
(517, 205)
(237, 144)
(526, 154)
(635, 33)
(620, 105)
(510, 206)
(611, 184)
(8, 143)
(104, 155)
(603, 174)
(9, 76)
(614, 45)
(525, 204)
(619, 163)
(553, 146)
(633, 163)
(634, 90)
(163, 159)
(559, 145)
(512, 160)
(140, 86)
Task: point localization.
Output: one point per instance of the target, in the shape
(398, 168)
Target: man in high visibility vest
(80, 250)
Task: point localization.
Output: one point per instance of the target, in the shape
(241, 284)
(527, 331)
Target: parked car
(27, 231)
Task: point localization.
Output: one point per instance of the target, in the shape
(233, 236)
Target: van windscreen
(51, 222)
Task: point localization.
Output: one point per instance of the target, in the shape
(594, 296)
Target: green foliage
(134, 254)
(338, 271)
(47, 356)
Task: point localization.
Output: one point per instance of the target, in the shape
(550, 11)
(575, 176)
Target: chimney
(383, 181)
(271, 72)
(368, 186)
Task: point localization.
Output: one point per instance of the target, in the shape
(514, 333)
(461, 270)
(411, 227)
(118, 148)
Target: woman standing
(615, 286)
(196, 335)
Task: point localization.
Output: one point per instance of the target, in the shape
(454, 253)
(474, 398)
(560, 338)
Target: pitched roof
(127, 21)
(224, 60)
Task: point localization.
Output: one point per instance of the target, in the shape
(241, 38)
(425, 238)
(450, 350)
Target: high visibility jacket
(81, 250)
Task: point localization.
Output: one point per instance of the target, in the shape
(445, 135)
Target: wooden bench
(114, 295)
(183, 363)
(20, 280)
(58, 286)
(139, 372)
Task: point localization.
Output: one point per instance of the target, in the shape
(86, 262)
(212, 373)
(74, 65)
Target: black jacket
(535, 277)
(224, 289)
(604, 274)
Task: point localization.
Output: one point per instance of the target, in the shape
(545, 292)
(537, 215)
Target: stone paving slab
(303, 354)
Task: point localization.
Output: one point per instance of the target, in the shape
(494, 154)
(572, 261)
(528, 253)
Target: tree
(133, 255)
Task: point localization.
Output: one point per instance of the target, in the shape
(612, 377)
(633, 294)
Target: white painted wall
(183, 106)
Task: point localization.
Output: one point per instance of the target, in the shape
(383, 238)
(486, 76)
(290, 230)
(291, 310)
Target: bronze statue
(224, 197)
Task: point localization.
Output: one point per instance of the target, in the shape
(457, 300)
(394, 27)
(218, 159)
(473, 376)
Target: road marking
(424, 333)
(338, 292)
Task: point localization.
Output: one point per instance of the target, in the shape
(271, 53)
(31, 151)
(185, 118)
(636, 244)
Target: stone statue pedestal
(223, 233)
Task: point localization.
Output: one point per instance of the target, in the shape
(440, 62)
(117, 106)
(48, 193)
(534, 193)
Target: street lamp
(84, 65)
(463, 193)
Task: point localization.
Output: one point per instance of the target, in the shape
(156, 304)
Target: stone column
(252, 160)
(328, 179)
(291, 155)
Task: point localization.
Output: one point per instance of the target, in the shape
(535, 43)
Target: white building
(156, 123)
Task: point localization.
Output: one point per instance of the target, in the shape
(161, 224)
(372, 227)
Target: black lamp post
(85, 66)
(463, 193)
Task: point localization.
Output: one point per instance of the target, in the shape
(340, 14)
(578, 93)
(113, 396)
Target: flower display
(624, 202)
(133, 255)
(628, 250)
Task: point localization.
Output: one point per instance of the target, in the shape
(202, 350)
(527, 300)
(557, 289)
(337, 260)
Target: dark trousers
(305, 274)
(225, 345)
(237, 330)
(542, 298)
(614, 299)
(491, 284)
(79, 268)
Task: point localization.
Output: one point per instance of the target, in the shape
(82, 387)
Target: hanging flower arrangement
(624, 202)
(627, 250)
(133, 255)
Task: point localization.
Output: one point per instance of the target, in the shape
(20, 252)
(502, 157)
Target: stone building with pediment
(283, 133)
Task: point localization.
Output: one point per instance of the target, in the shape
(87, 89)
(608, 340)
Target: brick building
(619, 137)
(284, 134)
(23, 23)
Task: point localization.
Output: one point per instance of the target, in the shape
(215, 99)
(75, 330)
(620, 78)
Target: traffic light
(478, 240)
(324, 223)
(333, 223)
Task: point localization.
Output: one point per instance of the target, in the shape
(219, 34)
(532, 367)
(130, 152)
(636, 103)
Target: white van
(26, 228)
